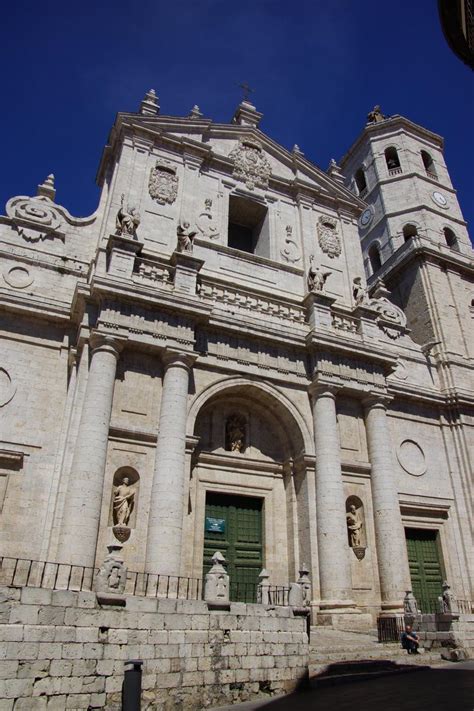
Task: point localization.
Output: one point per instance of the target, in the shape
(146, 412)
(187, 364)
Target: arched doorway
(243, 498)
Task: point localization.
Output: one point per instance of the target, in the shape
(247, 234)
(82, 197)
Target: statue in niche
(354, 527)
(359, 292)
(186, 235)
(235, 433)
(127, 221)
(124, 499)
(316, 278)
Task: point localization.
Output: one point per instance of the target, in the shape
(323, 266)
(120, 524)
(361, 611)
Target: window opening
(429, 165)
(409, 231)
(361, 182)
(450, 238)
(375, 259)
(392, 160)
(248, 226)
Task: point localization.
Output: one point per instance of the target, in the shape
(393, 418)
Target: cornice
(35, 307)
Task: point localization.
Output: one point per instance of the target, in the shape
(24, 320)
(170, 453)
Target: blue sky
(317, 68)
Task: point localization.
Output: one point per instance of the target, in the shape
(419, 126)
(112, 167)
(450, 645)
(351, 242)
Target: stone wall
(61, 650)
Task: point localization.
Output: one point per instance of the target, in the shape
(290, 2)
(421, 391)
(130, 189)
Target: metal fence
(20, 572)
(389, 629)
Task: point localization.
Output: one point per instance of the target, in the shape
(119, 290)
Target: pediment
(250, 156)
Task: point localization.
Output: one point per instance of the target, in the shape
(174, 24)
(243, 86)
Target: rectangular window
(248, 228)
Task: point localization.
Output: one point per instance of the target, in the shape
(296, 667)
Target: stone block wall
(62, 650)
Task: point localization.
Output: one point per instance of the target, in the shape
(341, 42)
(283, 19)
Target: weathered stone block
(35, 596)
(142, 604)
(38, 669)
(60, 667)
(47, 687)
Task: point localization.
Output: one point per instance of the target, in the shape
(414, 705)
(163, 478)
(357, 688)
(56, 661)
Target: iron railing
(389, 629)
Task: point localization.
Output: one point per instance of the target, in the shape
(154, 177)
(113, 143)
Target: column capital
(318, 390)
(104, 342)
(376, 400)
(171, 358)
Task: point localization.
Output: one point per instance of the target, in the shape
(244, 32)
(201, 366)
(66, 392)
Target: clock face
(439, 199)
(366, 217)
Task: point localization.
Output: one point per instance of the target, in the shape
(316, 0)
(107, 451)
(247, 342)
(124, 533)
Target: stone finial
(216, 588)
(334, 171)
(410, 605)
(46, 188)
(112, 577)
(195, 112)
(150, 106)
(247, 115)
(297, 150)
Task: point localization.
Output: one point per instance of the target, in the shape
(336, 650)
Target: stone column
(389, 533)
(165, 524)
(333, 549)
(80, 524)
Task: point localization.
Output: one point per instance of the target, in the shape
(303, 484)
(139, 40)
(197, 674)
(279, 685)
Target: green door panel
(425, 567)
(239, 538)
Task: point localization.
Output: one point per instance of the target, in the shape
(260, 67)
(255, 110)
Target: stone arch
(290, 418)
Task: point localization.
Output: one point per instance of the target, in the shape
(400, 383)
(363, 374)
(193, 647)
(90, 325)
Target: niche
(248, 229)
(124, 501)
(236, 433)
(355, 521)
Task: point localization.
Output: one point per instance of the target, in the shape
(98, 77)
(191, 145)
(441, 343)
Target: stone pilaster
(333, 550)
(80, 524)
(389, 533)
(165, 525)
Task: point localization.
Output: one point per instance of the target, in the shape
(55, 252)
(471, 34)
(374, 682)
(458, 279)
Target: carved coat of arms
(163, 183)
(327, 236)
(250, 163)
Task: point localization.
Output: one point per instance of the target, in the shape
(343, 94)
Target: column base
(346, 620)
(389, 608)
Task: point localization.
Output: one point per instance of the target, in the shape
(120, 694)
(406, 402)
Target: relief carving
(112, 577)
(250, 163)
(206, 223)
(327, 236)
(35, 218)
(290, 251)
(7, 388)
(163, 183)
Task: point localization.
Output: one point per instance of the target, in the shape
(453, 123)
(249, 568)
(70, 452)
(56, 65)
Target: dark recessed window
(361, 182)
(451, 239)
(429, 164)
(409, 231)
(248, 226)
(375, 258)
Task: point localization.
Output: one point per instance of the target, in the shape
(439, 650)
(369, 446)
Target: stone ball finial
(195, 112)
(150, 106)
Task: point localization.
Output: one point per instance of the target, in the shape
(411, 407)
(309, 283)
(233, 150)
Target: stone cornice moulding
(37, 307)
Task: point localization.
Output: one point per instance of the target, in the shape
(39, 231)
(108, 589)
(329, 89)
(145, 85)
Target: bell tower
(413, 235)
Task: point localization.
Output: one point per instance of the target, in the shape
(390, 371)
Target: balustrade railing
(395, 171)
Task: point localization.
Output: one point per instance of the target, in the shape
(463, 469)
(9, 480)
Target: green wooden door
(233, 525)
(425, 567)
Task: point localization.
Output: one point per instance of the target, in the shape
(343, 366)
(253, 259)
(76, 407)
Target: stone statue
(360, 292)
(316, 278)
(186, 235)
(124, 497)
(354, 527)
(448, 602)
(127, 221)
(376, 115)
(235, 434)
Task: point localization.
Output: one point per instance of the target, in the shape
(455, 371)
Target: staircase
(330, 646)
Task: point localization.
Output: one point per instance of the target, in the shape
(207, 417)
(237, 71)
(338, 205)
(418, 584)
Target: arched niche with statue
(356, 529)
(123, 502)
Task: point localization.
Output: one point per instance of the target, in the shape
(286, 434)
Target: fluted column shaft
(81, 516)
(389, 533)
(165, 525)
(333, 550)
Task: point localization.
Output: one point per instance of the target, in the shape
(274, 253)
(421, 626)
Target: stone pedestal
(389, 532)
(186, 270)
(334, 562)
(78, 539)
(318, 309)
(166, 509)
(121, 253)
(367, 321)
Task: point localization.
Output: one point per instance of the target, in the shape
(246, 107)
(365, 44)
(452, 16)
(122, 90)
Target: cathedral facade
(239, 351)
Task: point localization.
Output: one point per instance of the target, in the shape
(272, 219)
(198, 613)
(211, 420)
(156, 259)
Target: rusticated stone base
(62, 650)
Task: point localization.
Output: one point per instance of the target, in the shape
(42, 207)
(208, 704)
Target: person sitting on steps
(409, 640)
